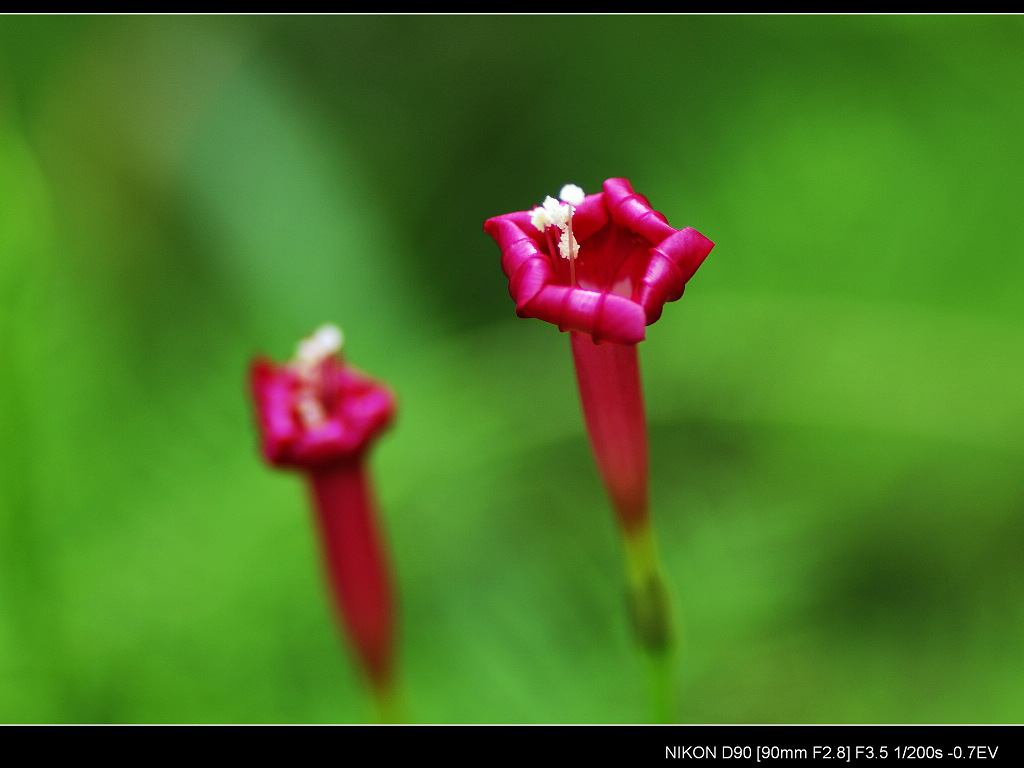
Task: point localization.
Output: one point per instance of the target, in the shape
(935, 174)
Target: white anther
(318, 346)
(311, 352)
(558, 213)
(540, 219)
(567, 245)
(310, 411)
(553, 213)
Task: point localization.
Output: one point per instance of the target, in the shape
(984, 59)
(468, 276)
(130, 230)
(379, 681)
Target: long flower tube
(602, 267)
(608, 376)
(357, 567)
(320, 416)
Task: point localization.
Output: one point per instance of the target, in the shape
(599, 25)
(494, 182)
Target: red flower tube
(319, 415)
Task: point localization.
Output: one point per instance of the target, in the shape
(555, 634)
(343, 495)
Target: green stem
(387, 705)
(650, 609)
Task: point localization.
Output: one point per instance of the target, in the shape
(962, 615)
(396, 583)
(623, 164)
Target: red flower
(317, 410)
(319, 415)
(616, 263)
(628, 262)
(603, 266)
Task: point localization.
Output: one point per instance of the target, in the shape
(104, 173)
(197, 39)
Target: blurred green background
(836, 410)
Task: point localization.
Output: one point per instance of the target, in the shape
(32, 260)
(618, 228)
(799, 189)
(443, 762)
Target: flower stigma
(559, 215)
(571, 194)
(310, 354)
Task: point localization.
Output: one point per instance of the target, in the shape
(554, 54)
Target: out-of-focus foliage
(837, 423)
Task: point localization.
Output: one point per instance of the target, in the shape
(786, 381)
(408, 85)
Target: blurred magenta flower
(319, 415)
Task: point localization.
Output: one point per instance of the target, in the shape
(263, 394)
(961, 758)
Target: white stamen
(559, 214)
(571, 194)
(551, 214)
(540, 219)
(311, 412)
(567, 249)
(318, 346)
(311, 352)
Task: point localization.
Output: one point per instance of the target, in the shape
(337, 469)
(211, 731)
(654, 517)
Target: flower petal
(606, 317)
(672, 264)
(590, 216)
(631, 210)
